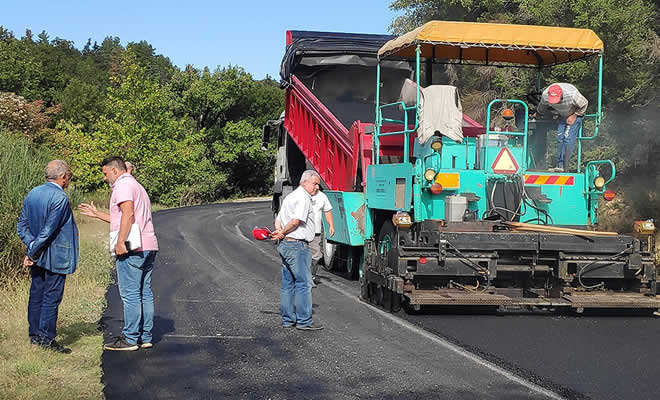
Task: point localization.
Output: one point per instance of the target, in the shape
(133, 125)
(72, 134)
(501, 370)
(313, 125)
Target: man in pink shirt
(130, 204)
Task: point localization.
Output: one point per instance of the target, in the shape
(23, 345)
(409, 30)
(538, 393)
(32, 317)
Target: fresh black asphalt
(217, 335)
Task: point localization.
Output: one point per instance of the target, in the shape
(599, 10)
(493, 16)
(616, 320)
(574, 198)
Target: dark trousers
(45, 297)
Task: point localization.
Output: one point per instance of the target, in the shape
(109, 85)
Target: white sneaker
(556, 169)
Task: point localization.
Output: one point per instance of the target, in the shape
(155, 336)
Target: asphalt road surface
(218, 335)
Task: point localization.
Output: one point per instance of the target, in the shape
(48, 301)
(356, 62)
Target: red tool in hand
(261, 233)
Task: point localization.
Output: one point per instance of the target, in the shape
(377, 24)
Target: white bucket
(455, 207)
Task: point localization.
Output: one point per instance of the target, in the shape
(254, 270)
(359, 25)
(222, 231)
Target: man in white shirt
(297, 230)
(567, 101)
(321, 206)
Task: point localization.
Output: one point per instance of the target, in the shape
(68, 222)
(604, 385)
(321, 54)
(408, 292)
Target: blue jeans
(46, 293)
(134, 278)
(296, 294)
(566, 141)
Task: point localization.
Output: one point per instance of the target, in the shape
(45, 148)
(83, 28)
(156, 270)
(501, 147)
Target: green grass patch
(28, 372)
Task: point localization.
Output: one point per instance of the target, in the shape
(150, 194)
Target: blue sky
(250, 34)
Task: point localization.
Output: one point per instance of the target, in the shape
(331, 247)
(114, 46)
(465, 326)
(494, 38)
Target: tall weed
(21, 168)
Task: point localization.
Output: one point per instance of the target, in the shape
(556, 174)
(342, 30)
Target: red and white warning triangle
(505, 163)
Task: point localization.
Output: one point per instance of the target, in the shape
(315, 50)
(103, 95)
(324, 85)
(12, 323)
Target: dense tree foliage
(194, 135)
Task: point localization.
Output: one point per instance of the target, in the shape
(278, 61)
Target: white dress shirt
(298, 205)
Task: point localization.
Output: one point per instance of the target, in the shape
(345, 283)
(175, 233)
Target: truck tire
(329, 251)
(275, 204)
(286, 189)
(386, 241)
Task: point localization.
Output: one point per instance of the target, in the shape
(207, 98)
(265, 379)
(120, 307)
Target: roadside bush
(22, 167)
(29, 118)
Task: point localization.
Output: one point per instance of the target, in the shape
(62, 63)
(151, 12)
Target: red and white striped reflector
(549, 180)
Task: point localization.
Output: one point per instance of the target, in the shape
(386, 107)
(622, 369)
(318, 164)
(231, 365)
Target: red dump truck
(328, 121)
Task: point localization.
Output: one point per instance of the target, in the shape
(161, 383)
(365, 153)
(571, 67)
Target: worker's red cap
(554, 94)
(261, 233)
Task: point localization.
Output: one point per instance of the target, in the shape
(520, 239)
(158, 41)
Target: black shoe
(289, 326)
(316, 279)
(310, 327)
(120, 344)
(35, 340)
(56, 347)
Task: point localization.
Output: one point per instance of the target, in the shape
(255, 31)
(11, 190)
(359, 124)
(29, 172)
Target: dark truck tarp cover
(340, 70)
(329, 44)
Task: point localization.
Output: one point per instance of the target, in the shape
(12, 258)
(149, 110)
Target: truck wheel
(286, 189)
(329, 251)
(386, 241)
(275, 204)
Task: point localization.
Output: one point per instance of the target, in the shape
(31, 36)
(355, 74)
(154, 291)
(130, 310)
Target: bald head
(58, 171)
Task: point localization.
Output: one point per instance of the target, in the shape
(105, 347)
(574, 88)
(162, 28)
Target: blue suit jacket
(47, 228)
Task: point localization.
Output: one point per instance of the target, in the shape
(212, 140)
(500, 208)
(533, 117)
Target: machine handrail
(580, 138)
(406, 129)
(592, 164)
(523, 133)
(405, 118)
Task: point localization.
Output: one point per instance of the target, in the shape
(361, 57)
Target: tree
(20, 68)
(140, 126)
(81, 103)
(212, 99)
(157, 66)
(59, 59)
(239, 153)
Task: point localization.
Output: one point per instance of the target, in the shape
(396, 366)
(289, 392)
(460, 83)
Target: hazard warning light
(505, 163)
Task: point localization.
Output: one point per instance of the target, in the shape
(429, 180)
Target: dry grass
(26, 371)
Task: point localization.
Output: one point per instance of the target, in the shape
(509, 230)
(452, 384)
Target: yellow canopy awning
(495, 43)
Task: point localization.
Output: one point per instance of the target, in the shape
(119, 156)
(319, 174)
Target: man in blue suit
(47, 228)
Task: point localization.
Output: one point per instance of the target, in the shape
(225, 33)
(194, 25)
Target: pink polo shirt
(127, 188)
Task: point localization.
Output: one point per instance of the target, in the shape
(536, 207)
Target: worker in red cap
(565, 100)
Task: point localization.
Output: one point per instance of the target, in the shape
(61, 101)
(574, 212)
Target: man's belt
(295, 240)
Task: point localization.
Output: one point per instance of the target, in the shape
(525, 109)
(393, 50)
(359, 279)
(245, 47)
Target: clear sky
(249, 33)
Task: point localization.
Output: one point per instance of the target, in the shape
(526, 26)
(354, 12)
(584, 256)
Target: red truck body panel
(319, 135)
